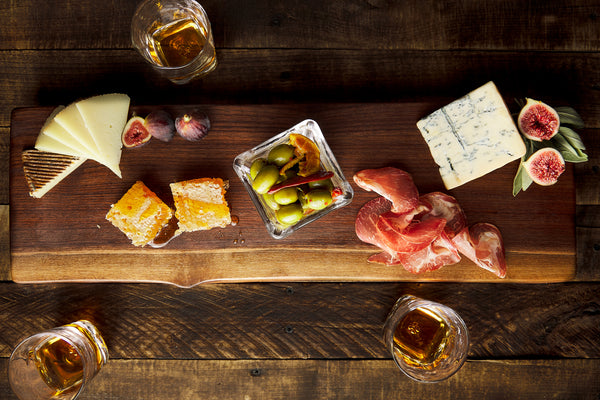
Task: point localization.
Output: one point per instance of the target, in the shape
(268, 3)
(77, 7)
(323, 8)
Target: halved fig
(538, 121)
(135, 133)
(545, 166)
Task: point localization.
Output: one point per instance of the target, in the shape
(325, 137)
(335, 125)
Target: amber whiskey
(59, 364)
(178, 43)
(420, 336)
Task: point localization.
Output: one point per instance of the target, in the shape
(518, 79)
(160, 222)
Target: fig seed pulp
(545, 166)
(538, 121)
(135, 133)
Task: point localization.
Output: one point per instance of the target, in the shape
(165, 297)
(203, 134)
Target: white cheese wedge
(72, 123)
(472, 136)
(105, 117)
(55, 131)
(51, 145)
(45, 170)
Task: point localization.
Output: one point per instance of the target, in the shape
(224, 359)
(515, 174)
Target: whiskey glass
(175, 37)
(58, 363)
(428, 341)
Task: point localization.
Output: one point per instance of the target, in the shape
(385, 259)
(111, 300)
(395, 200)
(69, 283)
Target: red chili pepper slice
(301, 180)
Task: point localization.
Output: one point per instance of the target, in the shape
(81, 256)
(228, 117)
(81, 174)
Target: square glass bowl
(311, 130)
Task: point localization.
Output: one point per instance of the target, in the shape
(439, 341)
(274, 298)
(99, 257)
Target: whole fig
(135, 133)
(538, 121)
(160, 124)
(193, 125)
(545, 166)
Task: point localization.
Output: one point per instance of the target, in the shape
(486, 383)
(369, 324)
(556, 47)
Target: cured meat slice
(384, 258)
(441, 205)
(415, 236)
(366, 220)
(482, 243)
(439, 253)
(422, 233)
(393, 232)
(392, 183)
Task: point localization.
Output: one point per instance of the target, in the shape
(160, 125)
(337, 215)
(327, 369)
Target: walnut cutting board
(65, 237)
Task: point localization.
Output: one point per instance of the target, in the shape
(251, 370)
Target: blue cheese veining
(472, 136)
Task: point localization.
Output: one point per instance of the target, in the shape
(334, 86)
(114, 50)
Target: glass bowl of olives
(293, 179)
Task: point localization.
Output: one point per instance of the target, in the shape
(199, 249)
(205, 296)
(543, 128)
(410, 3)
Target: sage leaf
(568, 116)
(572, 136)
(522, 180)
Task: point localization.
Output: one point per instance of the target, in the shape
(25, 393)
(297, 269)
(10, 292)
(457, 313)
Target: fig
(135, 133)
(192, 125)
(160, 124)
(545, 166)
(538, 121)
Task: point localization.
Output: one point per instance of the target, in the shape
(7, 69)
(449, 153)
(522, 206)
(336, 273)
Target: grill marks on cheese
(472, 136)
(90, 128)
(45, 170)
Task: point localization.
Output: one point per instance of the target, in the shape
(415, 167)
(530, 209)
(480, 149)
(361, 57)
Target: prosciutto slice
(441, 205)
(439, 253)
(392, 183)
(413, 237)
(482, 243)
(422, 233)
(366, 220)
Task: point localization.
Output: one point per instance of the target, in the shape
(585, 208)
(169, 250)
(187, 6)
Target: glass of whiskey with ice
(428, 341)
(175, 37)
(58, 363)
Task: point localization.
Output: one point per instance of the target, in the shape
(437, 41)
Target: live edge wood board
(64, 235)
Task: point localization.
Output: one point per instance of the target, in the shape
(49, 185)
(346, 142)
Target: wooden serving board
(65, 237)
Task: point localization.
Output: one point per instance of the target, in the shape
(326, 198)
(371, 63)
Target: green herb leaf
(572, 136)
(568, 116)
(569, 153)
(566, 141)
(522, 180)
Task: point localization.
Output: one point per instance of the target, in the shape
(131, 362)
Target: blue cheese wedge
(472, 136)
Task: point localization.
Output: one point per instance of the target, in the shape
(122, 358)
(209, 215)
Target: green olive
(290, 214)
(265, 178)
(286, 196)
(270, 201)
(256, 167)
(318, 199)
(322, 184)
(281, 154)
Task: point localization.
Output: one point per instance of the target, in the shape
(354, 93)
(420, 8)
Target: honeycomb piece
(200, 204)
(139, 214)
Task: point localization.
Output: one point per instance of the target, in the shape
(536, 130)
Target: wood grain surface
(304, 320)
(291, 340)
(65, 237)
(334, 379)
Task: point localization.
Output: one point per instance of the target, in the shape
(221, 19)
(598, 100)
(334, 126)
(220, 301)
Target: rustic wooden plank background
(321, 340)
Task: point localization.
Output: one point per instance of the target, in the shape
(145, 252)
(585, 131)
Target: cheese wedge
(45, 170)
(51, 145)
(55, 131)
(472, 136)
(105, 117)
(74, 129)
